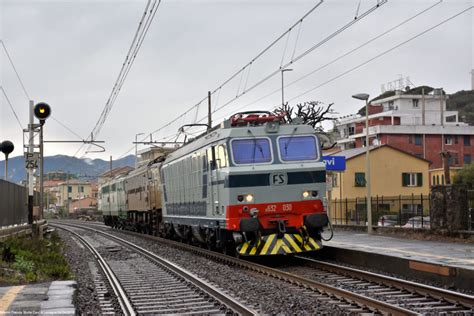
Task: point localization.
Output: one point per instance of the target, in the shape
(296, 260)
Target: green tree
(466, 175)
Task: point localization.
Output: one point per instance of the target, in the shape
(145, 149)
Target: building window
(418, 140)
(360, 179)
(390, 105)
(448, 140)
(453, 159)
(437, 179)
(434, 181)
(412, 179)
(81, 189)
(467, 159)
(69, 189)
(442, 179)
(415, 103)
(467, 140)
(351, 130)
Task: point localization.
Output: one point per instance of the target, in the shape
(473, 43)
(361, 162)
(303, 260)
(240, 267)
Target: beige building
(399, 184)
(72, 190)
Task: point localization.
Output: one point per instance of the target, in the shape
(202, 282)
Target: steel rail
(225, 299)
(122, 298)
(421, 289)
(281, 275)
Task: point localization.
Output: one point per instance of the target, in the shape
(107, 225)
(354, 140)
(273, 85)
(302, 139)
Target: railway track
(390, 295)
(145, 283)
(420, 298)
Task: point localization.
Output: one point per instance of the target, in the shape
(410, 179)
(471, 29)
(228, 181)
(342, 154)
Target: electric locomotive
(254, 185)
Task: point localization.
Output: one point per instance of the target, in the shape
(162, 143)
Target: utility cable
(11, 107)
(311, 49)
(349, 52)
(66, 127)
(234, 75)
(14, 69)
(383, 53)
(137, 41)
(372, 58)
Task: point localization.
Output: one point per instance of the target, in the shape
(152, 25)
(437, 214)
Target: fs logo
(278, 179)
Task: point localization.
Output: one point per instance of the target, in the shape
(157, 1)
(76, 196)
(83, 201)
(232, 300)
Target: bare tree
(312, 113)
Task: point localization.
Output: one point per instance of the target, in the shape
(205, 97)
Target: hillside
(462, 101)
(84, 168)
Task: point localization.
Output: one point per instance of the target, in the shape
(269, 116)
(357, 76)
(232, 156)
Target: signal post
(41, 111)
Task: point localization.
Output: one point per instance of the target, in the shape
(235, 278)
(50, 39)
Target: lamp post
(283, 86)
(136, 147)
(365, 97)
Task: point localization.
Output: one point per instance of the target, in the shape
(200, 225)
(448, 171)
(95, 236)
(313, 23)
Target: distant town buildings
(73, 190)
(415, 121)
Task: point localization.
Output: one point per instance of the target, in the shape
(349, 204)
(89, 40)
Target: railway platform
(446, 262)
(43, 298)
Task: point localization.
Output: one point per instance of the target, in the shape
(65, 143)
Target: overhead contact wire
(384, 52)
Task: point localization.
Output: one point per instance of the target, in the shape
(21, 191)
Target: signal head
(6, 147)
(42, 111)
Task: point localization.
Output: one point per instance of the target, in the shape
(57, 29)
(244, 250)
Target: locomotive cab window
(221, 156)
(251, 150)
(298, 148)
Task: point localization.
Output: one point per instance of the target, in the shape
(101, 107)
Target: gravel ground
(85, 298)
(264, 294)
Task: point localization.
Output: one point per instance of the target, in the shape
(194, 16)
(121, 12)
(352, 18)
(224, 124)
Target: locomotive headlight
(249, 198)
(306, 194)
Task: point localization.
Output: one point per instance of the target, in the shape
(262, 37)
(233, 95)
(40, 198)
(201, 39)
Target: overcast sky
(69, 53)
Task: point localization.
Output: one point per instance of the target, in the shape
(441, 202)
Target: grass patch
(26, 260)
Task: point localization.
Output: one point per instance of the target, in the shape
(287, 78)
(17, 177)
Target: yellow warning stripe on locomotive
(272, 245)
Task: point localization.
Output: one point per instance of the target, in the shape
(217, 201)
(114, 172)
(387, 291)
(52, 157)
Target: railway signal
(6, 147)
(42, 111)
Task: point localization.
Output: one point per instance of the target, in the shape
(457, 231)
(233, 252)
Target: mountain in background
(87, 169)
(462, 101)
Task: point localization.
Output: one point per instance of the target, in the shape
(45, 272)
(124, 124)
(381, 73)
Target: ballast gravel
(85, 298)
(264, 294)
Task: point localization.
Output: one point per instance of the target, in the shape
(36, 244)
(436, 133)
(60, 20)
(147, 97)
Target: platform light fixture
(365, 97)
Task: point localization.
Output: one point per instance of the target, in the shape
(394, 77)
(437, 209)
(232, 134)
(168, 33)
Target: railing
(395, 211)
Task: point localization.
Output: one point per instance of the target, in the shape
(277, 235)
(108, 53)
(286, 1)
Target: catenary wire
(261, 53)
(384, 52)
(300, 56)
(11, 107)
(349, 52)
(365, 62)
(14, 69)
(137, 41)
(66, 127)
(340, 30)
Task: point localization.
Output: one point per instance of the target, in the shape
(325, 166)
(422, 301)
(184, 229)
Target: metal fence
(470, 203)
(411, 211)
(13, 204)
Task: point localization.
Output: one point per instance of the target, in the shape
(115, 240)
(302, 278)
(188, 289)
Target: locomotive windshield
(251, 150)
(298, 148)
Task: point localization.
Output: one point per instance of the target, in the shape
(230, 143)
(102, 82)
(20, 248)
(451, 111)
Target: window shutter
(405, 179)
(419, 179)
